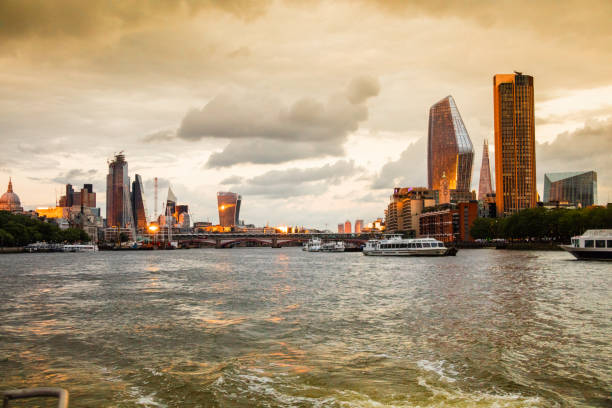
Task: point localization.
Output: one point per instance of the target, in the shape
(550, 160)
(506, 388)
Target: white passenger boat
(333, 246)
(80, 248)
(395, 245)
(313, 245)
(593, 244)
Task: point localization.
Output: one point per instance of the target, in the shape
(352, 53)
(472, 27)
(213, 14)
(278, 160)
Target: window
(418, 245)
(600, 243)
(589, 243)
(610, 243)
(426, 245)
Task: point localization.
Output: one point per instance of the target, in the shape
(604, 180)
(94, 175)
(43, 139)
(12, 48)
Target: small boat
(80, 248)
(333, 246)
(313, 245)
(593, 244)
(395, 245)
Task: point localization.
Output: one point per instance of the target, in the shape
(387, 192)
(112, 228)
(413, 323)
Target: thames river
(285, 328)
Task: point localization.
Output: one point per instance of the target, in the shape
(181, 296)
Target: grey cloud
(298, 182)
(579, 115)
(160, 136)
(409, 170)
(362, 88)
(258, 151)
(231, 180)
(75, 176)
(262, 130)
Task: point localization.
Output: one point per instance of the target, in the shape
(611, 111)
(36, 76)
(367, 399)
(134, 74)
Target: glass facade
(515, 168)
(229, 208)
(577, 188)
(138, 204)
(450, 150)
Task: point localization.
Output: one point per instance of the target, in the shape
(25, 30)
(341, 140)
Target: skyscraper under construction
(450, 150)
(515, 166)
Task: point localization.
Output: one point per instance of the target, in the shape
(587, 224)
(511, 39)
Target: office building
(515, 161)
(118, 197)
(448, 222)
(229, 208)
(358, 226)
(485, 187)
(86, 197)
(577, 188)
(450, 150)
(139, 207)
(340, 228)
(347, 227)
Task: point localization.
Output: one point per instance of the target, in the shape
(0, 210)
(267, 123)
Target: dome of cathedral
(10, 201)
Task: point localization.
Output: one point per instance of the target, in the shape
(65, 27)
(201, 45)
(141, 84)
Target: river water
(281, 327)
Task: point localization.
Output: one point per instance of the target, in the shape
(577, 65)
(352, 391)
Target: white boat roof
(596, 233)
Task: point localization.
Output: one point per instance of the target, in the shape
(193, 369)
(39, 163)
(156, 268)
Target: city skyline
(210, 104)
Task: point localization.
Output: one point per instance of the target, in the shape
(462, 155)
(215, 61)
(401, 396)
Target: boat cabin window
(575, 243)
(589, 243)
(426, 245)
(418, 245)
(610, 243)
(600, 243)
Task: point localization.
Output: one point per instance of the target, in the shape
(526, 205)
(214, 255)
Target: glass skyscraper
(139, 208)
(578, 188)
(484, 187)
(450, 150)
(515, 165)
(229, 208)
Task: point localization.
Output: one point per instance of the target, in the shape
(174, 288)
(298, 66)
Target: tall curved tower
(450, 149)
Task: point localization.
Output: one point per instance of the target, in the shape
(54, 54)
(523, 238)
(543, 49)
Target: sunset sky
(312, 110)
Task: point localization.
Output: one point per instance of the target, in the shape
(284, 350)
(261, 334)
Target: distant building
(577, 188)
(485, 187)
(229, 208)
(358, 226)
(347, 227)
(86, 197)
(450, 150)
(405, 206)
(340, 228)
(448, 222)
(139, 207)
(118, 197)
(10, 200)
(515, 161)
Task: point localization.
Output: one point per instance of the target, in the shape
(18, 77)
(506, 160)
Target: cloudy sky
(312, 110)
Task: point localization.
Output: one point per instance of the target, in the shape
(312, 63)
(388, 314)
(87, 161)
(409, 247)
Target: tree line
(543, 224)
(20, 230)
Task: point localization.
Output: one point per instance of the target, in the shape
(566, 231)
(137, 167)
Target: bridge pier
(218, 243)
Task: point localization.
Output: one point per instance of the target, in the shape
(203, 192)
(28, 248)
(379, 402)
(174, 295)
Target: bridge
(275, 240)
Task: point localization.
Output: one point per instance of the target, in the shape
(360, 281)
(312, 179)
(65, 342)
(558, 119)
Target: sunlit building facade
(358, 226)
(10, 200)
(347, 227)
(450, 150)
(485, 187)
(139, 207)
(118, 197)
(574, 188)
(228, 205)
(404, 207)
(340, 228)
(515, 161)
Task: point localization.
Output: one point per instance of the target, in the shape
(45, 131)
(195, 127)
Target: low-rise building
(449, 222)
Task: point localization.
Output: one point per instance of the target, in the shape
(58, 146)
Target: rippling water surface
(281, 327)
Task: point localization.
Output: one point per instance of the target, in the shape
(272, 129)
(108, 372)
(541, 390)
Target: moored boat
(313, 245)
(395, 245)
(80, 248)
(593, 244)
(333, 246)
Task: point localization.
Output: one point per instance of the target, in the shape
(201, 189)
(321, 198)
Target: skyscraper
(358, 226)
(484, 187)
(578, 188)
(118, 202)
(347, 227)
(450, 149)
(139, 208)
(515, 166)
(229, 208)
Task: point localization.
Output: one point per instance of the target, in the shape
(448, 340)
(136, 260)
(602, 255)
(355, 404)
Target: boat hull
(589, 253)
(406, 252)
